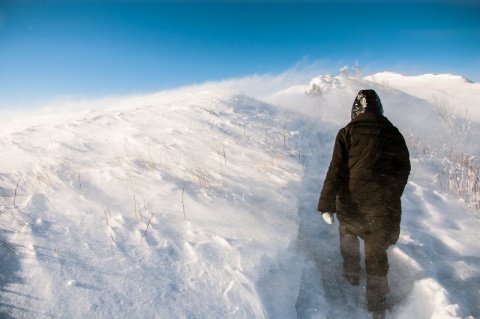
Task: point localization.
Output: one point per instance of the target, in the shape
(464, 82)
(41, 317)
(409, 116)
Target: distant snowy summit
(453, 92)
(437, 89)
(324, 84)
(318, 86)
(429, 77)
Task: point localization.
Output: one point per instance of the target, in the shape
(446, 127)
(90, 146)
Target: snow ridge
(429, 77)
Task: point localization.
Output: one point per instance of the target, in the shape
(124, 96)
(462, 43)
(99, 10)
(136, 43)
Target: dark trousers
(376, 264)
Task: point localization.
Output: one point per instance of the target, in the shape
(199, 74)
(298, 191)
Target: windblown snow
(201, 203)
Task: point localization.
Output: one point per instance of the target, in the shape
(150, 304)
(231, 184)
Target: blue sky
(50, 49)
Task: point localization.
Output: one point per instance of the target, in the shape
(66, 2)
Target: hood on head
(367, 101)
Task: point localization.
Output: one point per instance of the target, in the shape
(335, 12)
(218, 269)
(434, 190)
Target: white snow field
(201, 203)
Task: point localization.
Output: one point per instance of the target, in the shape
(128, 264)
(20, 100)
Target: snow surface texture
(201, 203)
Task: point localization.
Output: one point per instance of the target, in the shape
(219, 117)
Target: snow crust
(201, 203)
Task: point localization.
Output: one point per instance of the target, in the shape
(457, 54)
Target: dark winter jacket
(368, 173)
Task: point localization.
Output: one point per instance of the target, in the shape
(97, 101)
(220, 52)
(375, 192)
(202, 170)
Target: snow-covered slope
(156, 210)
(201, 204)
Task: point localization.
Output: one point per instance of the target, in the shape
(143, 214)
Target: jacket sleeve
(337, 175)
(402, 165)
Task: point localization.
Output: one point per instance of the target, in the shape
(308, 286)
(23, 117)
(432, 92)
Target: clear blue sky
(96, 48)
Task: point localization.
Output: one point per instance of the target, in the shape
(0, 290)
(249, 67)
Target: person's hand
(328, 217)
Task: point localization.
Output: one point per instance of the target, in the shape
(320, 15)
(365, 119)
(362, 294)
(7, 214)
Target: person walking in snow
(363, 186)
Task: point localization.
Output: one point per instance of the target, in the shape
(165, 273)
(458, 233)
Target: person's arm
(337, 175)
(402, 165)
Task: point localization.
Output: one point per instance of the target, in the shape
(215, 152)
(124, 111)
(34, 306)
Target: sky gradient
(83, 49)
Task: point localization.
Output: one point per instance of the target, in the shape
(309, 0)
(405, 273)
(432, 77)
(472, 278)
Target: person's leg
(350, 250)
(376, 264)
